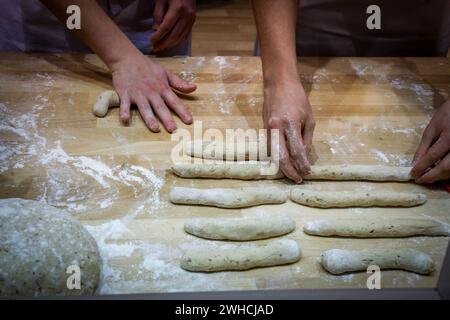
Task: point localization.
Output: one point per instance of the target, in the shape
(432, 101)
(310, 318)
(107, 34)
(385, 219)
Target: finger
(296, 149)
(440, 172)
(426, 141)
(178, 34)
(436, 152)
(158, 13)
(172, 37)
(180, 85)
(180, 31)
(285, 162)
(308, 132)
(167, 24)
(124, 109)
(186, 32)
(163, 113)
(147, 114)
(174, 103)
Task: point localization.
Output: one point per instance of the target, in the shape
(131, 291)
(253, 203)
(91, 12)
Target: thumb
(158, 13)
(308, 132)
(180, 85)
(425, 143)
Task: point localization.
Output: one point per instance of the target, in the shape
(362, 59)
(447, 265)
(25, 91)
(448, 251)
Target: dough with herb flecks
(228, 197)
(376, 227)
(342, 199)
(339, 261)
(37, 245)
(242, 256)
(241, 229)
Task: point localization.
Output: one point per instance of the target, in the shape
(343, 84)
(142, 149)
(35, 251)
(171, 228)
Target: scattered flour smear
(79, 184)
(72, 182)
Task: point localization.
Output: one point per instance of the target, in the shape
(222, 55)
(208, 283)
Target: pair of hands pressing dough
(289, 110)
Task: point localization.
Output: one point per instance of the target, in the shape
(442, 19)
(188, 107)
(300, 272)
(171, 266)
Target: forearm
(276, 24)
(97, 31)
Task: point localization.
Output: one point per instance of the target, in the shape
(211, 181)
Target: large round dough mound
(37, 244)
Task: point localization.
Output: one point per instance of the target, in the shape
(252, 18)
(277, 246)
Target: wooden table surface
(116, 179)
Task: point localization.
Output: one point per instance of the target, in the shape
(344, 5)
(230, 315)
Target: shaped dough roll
(360, 172)
(222, 151)
(105, 100)
(376, 228)
(342, 199)
(240, 229)
(242, 256)
(219, 150)
(339, 261)
(228, 198)
(256, 170)
(243, 170)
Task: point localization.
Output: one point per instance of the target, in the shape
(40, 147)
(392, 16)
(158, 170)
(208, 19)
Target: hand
(432, 158)
(143, 82)
(286, 107)
(173, 21)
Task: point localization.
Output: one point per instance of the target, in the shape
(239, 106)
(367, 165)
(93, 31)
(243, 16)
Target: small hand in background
(432, 158)
(173, 21)
(139, 80)
(286, 108)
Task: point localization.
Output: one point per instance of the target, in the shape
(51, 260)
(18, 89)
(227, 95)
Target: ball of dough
(37, 244)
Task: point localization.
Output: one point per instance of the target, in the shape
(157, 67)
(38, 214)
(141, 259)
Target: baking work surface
(116, 179)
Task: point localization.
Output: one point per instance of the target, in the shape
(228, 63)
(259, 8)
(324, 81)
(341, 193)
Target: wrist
(124, 58)
(274, 77)
(284, 85)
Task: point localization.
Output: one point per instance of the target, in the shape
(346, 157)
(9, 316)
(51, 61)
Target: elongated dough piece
(256, 170)
(376, 228)
(240, 229)
(243, 170)
(105, 100)
(229, 197)
(360, 172)
(343, 199)
(218, 150)
(242, 256)
(339, 261)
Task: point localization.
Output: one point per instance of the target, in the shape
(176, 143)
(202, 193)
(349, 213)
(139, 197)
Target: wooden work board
(116, 179)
